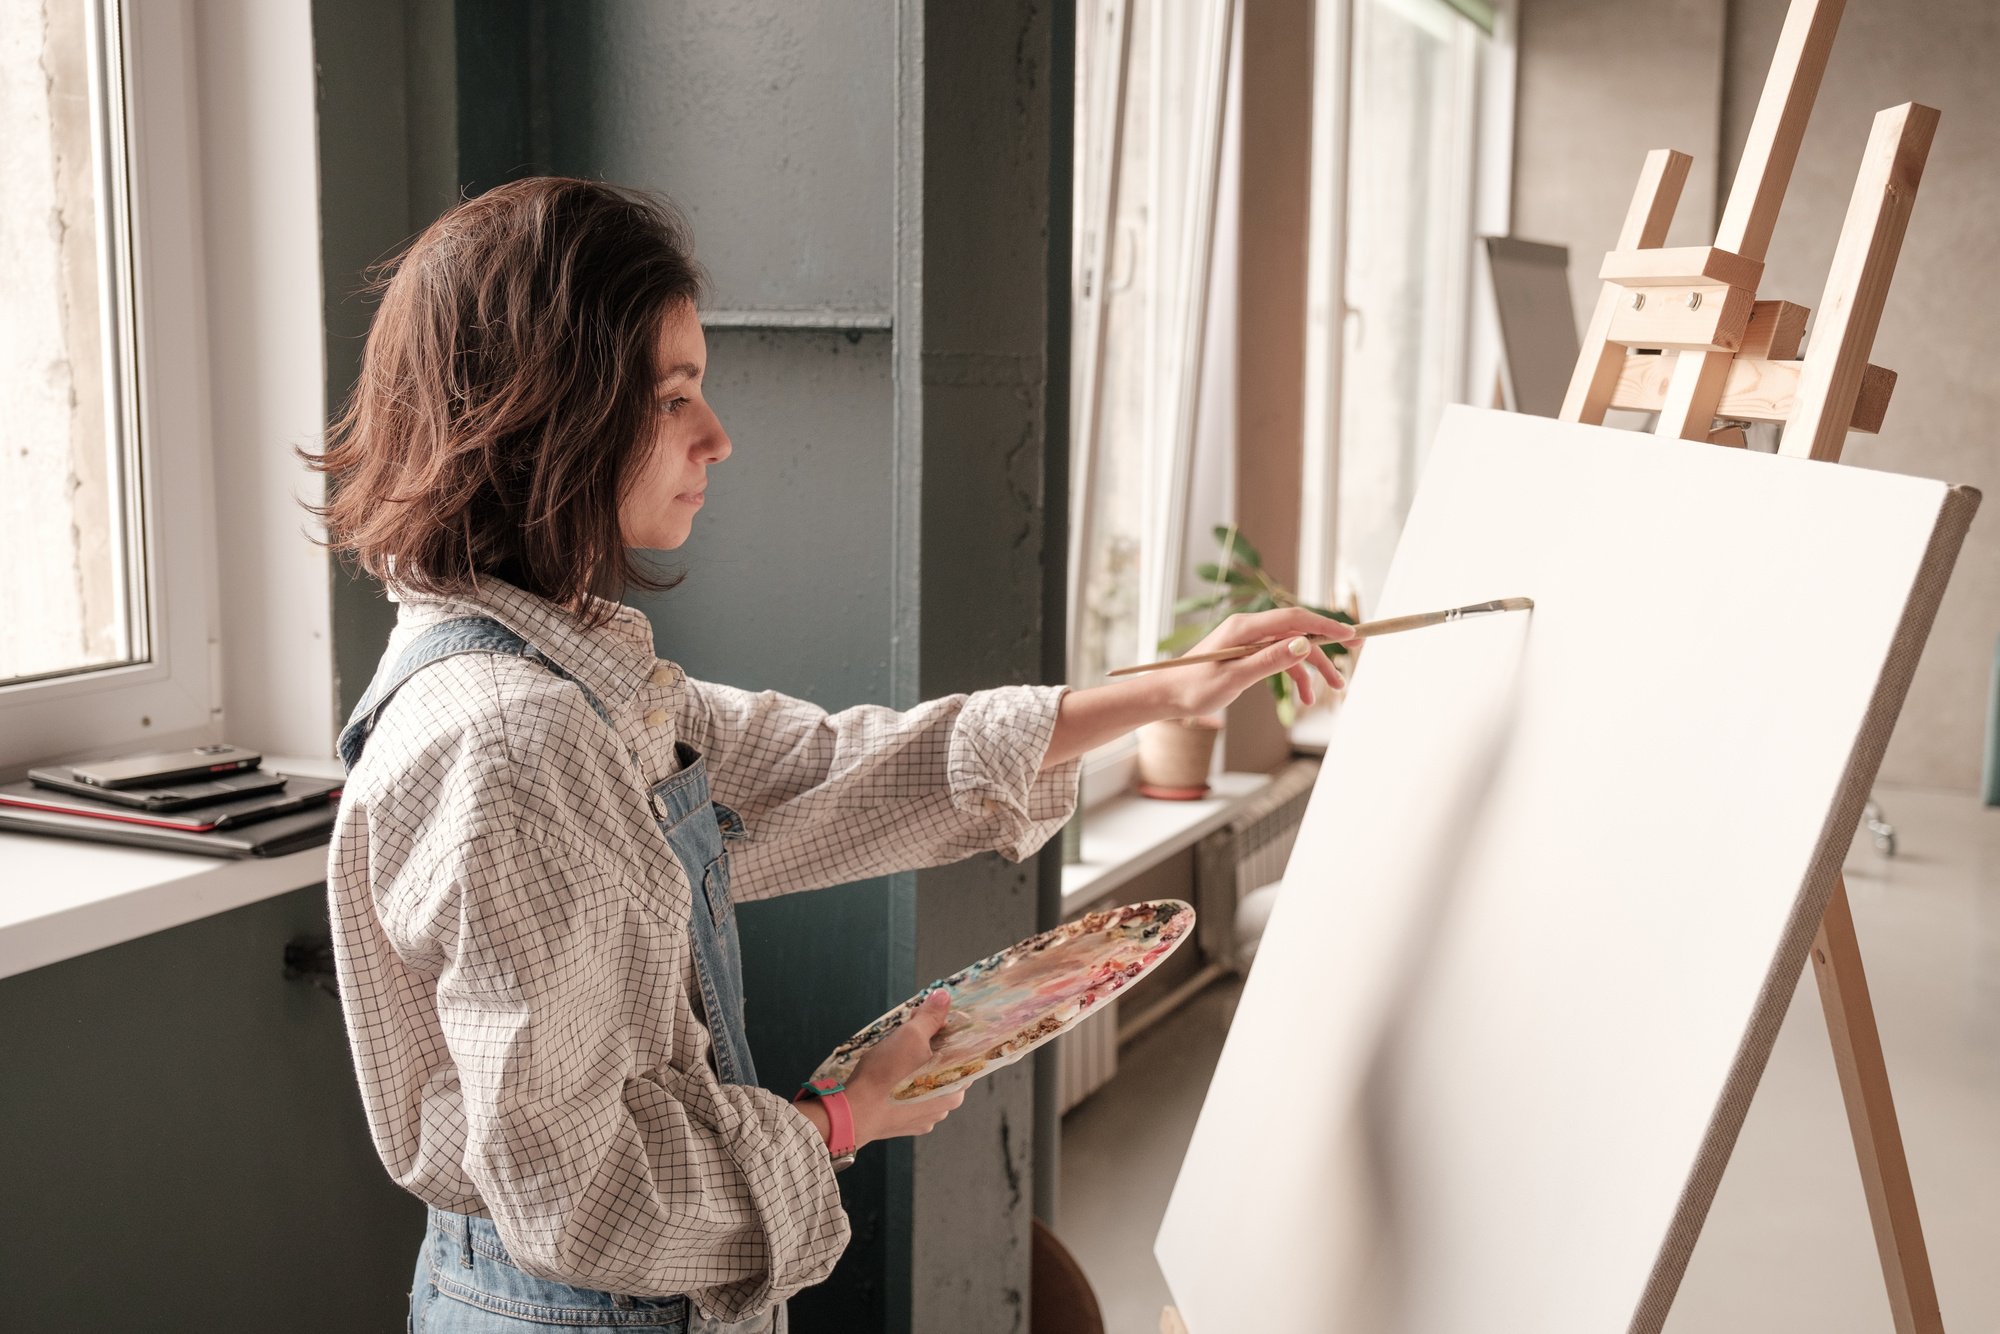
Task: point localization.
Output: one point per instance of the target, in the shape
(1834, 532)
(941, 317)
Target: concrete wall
(1937, 331)
(1601, 83)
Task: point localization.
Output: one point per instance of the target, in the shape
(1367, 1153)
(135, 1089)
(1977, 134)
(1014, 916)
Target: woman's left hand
(1207, 687)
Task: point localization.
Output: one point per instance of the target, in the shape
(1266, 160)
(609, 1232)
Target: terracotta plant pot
(1175, 757)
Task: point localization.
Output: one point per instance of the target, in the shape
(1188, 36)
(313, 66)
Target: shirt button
(656, 718)
(663, 675)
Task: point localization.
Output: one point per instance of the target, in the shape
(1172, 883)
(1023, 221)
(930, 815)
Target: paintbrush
(1392, 625)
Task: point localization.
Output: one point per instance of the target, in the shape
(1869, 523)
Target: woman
(545, 827)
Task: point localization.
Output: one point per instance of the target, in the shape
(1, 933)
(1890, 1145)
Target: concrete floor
(1787, 1246)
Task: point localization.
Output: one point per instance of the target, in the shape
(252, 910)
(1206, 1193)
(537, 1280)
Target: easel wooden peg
(1749, 372)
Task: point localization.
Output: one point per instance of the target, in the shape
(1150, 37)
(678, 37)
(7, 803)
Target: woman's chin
(670, 540)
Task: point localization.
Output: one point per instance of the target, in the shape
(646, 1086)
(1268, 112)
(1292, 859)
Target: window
(103, 496)
(1409, 251)
(65, 352)
(1151, 100)
(1412, 126)
(1409, 130)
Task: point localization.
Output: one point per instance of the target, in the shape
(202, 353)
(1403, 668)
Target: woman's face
(657, 509)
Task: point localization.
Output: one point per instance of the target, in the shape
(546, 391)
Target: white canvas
(1501, 1030)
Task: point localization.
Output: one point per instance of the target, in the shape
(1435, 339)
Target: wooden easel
(1681, 332)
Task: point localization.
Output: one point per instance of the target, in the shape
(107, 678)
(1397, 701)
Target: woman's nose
(719, 447)
(716, 446)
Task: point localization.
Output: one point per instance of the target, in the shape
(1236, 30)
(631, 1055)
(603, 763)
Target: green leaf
(1183, 639)
(1215, 574)
(1340, 616)
(1262, 602)
(1228, 536)
(1188, 606)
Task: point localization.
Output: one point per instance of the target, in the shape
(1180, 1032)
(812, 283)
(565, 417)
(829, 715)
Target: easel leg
(1871, 1116)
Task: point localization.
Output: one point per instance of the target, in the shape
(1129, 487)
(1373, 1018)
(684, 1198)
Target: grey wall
(1602, 81)
(1938, 328)
(182, 1143)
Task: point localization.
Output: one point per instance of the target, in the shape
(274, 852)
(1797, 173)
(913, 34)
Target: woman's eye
(672, 407)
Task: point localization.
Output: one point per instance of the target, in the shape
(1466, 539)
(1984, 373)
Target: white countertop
(62, 897)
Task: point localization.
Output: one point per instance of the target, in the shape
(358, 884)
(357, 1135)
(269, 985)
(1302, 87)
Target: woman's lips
(692, 497)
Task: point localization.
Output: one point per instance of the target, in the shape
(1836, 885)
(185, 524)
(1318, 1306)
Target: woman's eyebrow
(686, 370)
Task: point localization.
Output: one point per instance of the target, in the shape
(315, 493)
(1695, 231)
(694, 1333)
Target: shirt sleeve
(828, 798)
(599, 1173)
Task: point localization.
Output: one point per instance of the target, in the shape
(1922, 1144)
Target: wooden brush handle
(1366, 630)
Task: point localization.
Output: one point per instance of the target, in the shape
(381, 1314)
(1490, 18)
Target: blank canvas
(1555, 885)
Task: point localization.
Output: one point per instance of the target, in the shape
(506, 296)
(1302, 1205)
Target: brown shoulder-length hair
(507, 393)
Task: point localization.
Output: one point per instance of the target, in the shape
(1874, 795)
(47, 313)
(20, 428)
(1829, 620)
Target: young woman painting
(546, 826)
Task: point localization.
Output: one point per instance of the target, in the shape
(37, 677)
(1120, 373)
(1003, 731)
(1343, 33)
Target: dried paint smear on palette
(1006, 1005)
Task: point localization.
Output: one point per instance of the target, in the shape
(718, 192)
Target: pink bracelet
(832, 1095)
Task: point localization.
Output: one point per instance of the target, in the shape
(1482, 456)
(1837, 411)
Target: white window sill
(1127, 835)
(61, 897)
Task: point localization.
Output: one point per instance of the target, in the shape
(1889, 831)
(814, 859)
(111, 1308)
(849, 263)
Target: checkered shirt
(511, 931)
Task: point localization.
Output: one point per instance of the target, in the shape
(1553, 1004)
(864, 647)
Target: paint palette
(1008, 1004)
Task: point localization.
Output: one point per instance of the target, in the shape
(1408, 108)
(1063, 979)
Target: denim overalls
(462, 1257)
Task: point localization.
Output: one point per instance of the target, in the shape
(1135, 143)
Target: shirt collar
(611, 661)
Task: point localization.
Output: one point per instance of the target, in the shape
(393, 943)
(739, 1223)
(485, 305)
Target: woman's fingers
(1279, 657)
(937, 1109)
(1261, 625)
(1323, 664)
(1302, 681)
(906, 1050)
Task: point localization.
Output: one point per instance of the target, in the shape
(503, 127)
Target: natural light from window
(69, 543)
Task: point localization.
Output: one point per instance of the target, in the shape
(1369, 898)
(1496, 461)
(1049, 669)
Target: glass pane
(1116, 495)
(1401, 225)
(64, 535)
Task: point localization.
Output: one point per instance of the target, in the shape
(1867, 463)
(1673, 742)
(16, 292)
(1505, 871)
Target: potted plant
(1175, 756)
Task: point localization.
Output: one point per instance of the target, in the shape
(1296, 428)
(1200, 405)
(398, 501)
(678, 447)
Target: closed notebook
(297, 794)
(172, 797)
(272, 836)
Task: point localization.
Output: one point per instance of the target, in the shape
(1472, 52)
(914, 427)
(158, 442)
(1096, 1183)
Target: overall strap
(446, 639)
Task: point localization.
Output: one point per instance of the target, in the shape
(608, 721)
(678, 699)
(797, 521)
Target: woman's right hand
(890, 1062)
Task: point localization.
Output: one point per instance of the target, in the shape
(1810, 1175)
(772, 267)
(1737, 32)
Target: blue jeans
(466, 1284)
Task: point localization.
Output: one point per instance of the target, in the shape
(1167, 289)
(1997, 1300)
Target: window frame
(1482, 149)
(1173, 381)
(172, 696)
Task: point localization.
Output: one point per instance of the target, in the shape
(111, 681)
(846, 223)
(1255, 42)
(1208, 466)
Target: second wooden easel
(1681, 332)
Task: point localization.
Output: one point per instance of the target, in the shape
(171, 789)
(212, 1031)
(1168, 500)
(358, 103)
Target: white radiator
(1087, 1056)
(1251, 850)
(1246, 854)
